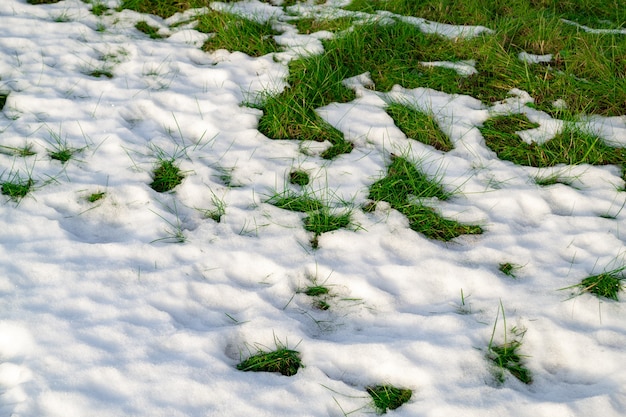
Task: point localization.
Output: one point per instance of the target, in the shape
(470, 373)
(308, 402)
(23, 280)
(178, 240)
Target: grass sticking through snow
(16, 187)
(419, 126)
(165, 176)
(299, 177)
(509, 269)
(605, 285)
(93, 197)
(506, 356)
(571, 146)
(282, 360)
(388, 397)
(404, 183)
(151, 31)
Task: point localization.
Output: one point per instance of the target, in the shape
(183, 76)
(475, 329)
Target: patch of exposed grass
(163, 8)
(606, 285)
(101, 72)
(403, 179)
(419, 126)
(97, 196)
(310, 25)
(506, 356)
(16, 187)
(313, 83)
(3, 99)
(235, 33)
(324, 220)
(299, 177)
(151, 31)
(388, 397)
(42, 1)
(166, 176)
(316, 290)
(509, 269)
(282, 360)
(405, 183)
(294, 202)
(571, 146)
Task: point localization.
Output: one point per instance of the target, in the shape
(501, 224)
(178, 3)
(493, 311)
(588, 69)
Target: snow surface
(103, 314)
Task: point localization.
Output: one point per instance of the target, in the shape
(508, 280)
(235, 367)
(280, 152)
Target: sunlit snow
(104, 313)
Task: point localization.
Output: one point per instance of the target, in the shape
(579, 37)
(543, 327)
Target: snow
(102, 315)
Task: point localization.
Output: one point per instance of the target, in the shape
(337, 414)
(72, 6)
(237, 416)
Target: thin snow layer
(103, 313)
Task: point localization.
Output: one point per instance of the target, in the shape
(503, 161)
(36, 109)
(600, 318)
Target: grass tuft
(506, 356)
(151, 31)
(166, 176)
(388, 397)
(316, 290)
(509, 269)
(607, 284)
(293, 202)
(282, 360)
(299, 177)
(93, 197)
(17, 188)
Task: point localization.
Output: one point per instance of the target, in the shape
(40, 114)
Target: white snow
(102, 314)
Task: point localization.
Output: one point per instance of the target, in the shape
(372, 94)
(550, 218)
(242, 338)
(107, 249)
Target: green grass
(24, 151)
(93, 197)
(506, 356)
(419, 126)
(403, 184)
(3, 99)
(16, 187)
(605, 285)
(388, 397)
(587, 70)
(310, 25)
(42, 1)
(166, 176)
(571, 146)
(299, 177)
(316, 290)
(282, 360)
(163, 8)
(151, 31)
(509, 269)
(294, 202)
(236, 33)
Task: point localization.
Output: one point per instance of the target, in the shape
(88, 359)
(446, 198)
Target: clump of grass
(43, 1)
(571, 146)
(294, 202)
(16, 187)
(151, 31)
(419, 126)
(163, 8)
(24, 151)
(324, 220)
(235, 33)
(509, 269)
(506, 356)
(388, 397)
(405, 183)
(556, 178)
(3, 99)
(607, 284)
(299, 177)
(283, 360)
(310, 25)
(166, 176)
(101, 72)
(316, 290)
(93, 197)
